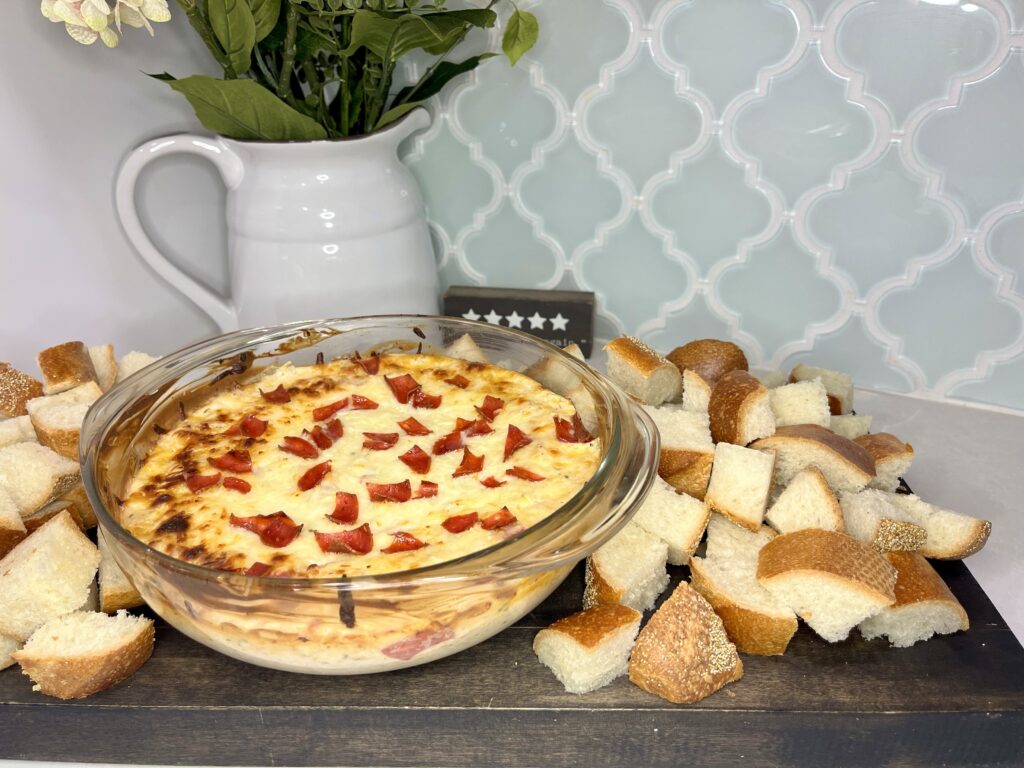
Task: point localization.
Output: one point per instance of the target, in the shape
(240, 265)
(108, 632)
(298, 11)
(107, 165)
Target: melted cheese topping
(195, 526)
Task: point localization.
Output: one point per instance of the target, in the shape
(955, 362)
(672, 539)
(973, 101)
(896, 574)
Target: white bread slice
(684, 653)
(16, 430)
(740, 481)
(838, 385)
(57, 419)
(687, 451)
(773, 379)
(12, 529)
(105, 364)
(870, 516)
(464, 348)
(642, 372)
(589, 649)
(45, 576)
(79, 654)
(629, 569)
(851, 426)
(16, 389)
(136, 361)
(710, 359)
(740, 409)
(951, 535)
(8, 645)
(65, 367)
(924, 605)
(116, 591)
(34, 475)
(803, 402)
(676, 518)
(892, 458)
(696, 392)
(727, 577)
(807, 502)
(845, 465)
(832, 581)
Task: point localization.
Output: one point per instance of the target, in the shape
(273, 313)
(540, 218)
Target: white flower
(87, 21)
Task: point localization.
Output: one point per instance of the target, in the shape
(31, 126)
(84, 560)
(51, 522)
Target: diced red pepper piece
(426, 490)
(524, 474)
(417, 460)
(379, 441)
(390, 491)
(492, 482)
(335, 429)
(490, 407)
(458, 380)
(460, 523)
(252, 426)
(197, 483)
(421, 399)
(237, 484)
(402, 386)
(448, 443)
(572, 431)
(514, 440)
(276, 530)
(412, 427)
(301, 448)
(312, 476)
(499, 519)
(321, 438)
(233, 461)
(257, 569)
(470, 463)
(370, 364)
(360, 403)
(279, 395)
(346, 508)
(402, 542)
(358, 541)
(416, 644)
(325, 412)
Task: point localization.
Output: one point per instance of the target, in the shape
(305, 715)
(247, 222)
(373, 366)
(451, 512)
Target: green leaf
(265, 14)
(475, 17)
(395, 113)
(243, 109)
(398, 35)
(437, 78)
(235, 29)
(520, 35)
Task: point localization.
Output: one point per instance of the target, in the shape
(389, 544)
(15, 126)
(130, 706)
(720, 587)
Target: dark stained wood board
(955, 700)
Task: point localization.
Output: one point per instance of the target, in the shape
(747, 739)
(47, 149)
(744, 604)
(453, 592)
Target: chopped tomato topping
(321, 438)
(233, 461)
(460, 523)
(358, 541)
(458, 380)
(524, 474)
(379, 441)
(279, 395)
(252, 426)
(421, 399)
(448, 443)
(325, 412)
(514, 440)
(237, 484)
(301, 448)
(370, 364)
(390, 491)
(360, 403)
(402, 386)
(499, 519)
(276, 530)
(492, 482)
(197, 483)
(346, 508)
(402, 542)
(312, 476)
(572, 431)
(470, 463)
(257, 569)
(417, 460)
(490, 407)
(412, 427)
(426, 490)
(472, 428)
(335, 429)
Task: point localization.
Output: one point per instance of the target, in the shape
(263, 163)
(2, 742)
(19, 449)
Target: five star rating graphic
(515, 320)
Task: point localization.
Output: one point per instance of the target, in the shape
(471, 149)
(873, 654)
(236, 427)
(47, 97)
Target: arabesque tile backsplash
(831, 180)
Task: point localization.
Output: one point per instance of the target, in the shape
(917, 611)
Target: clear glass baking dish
(368, 623)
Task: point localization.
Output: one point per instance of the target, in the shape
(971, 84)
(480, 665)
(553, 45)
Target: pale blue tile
(507, 253)
(1006, 246)
(694, 321)
(1004, 386)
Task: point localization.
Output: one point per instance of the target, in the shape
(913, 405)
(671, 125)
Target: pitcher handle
(230, 166)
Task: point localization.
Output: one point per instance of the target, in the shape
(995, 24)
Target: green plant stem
(291, 31)
(269, 80)
(205, 32)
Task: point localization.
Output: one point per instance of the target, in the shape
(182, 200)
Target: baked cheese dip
(359, 466)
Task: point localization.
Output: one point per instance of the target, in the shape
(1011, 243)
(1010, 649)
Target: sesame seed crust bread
(642, 372)
(708, 358)
(807, 502)
(951, 535)
(629, 569)
(892, 458)
(684, 653)
(65, 367)
(57, 419)
(740, 409)
(845, 465)
(16, 389)
(34, 475)
(871, 516)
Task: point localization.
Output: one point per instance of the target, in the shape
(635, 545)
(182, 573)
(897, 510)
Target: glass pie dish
(372, 623)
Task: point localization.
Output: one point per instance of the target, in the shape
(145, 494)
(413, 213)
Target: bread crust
(16, 389)
(978, 538)
(66, 366)
(596, 590)
(686, 470)
(589, 628)
(732, 397)
(855, 456)
(80, 508)
(882, 445)
(917, 581)
(10, 538)
(709, 358)
(627, 355)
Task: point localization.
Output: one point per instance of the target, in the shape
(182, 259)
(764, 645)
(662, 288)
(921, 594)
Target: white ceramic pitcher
(315, 229)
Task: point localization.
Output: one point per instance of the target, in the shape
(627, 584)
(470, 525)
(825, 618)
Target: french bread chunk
(684, 653)
(45, 576)
(79, 654)
(892, 458)
(8, 645)
(116, 591)
(951, 535)
(79, 507)
(47, 512)
(57, 419)
(676, 518)
(871, 516)
(845, 465)
(807, 502)
(629, 569)
(17, 430)
(464, 348)
(551, 374)
(696, 392)
(642, 372)
(687, 451)
(727, 578)
(740, 481)
(16, 389)
(773, 379)
(132, 363)
(12, 528)
(65, 367)
(803, 402)
(740, 409)
(589, 649)
(34, 475)
(850, 426)
(710, 359)
(838, 385)
(924, 605)
(830, 580)
(105, 364)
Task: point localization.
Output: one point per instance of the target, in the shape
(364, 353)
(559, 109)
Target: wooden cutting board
(953, 700)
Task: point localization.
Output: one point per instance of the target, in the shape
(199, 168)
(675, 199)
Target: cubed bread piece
(892, 458)
(34, 475)
(951, 535)
(924, 605)
(832, 581)
(16, 389)
(16, 430)
(136, 361)
(48, 512)
(65, 367)
(8, 645)
(851, 426)
(687, 451)
(45, 576)
(696, 392)
(551, 373)
(710, 359)
(773, 379)
(676, 518)
(740, 409)
(12, 529)
(79, 654)
(871, 516)
(845, 465)
(105, 365)
(116, 591)
(642, 372)
(684, 653)
(79, 507)
(727, 578)
(838, 385)
(629, 569)
(57, 419)
(589, 649)
(740, 481)
(803, 402)
(807, 502)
